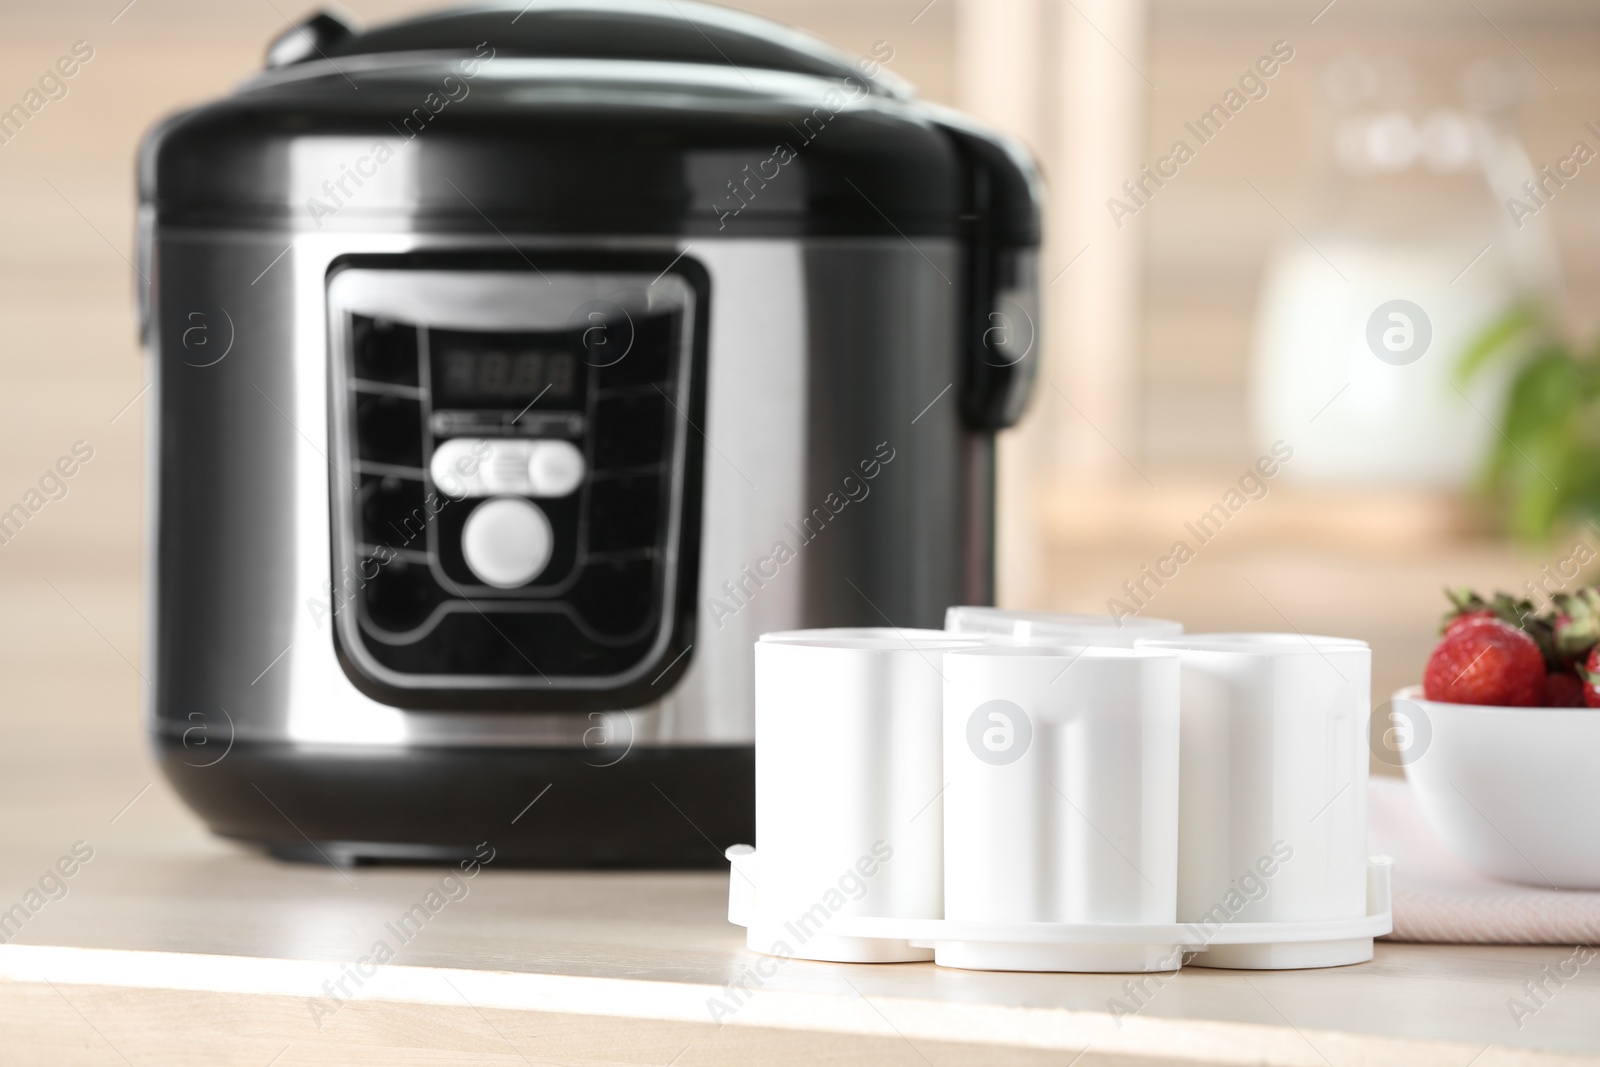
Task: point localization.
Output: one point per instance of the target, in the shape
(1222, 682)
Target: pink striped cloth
(1437, 897)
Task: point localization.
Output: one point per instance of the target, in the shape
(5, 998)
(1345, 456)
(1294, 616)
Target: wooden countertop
(194, 947)
(172, 946)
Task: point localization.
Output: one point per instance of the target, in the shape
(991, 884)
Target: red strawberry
(1486, 661)
(1590, 673)
(1467, 618)
(1563, 690)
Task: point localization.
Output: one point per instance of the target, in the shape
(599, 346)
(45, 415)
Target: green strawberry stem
(1564, 632)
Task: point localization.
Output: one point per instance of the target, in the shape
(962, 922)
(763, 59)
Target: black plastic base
(655, 808)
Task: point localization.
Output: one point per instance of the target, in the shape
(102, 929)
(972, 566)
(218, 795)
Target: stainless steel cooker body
(826, 398)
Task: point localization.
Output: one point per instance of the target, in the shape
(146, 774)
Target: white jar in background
(1356, 347)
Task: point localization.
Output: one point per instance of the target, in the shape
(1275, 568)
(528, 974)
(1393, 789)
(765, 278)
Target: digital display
(486, 371)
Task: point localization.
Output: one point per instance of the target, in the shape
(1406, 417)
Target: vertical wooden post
(1092, 373)
(999, 52)
(1067, 80)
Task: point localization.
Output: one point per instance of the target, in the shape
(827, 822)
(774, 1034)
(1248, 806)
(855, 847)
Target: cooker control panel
(515, 502)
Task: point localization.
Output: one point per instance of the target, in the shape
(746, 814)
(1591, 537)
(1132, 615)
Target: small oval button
(555, 468)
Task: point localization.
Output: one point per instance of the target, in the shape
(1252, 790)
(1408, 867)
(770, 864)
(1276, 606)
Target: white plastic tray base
(1084, 947)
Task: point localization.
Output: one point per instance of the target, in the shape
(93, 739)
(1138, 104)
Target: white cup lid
(873, 637)
(1265, 644)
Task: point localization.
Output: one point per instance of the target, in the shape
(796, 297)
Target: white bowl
(1515, 792)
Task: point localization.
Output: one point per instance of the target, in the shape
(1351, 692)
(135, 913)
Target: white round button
(555, 468)
(507, 542)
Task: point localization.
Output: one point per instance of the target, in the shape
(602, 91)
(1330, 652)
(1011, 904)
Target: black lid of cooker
(611, 117)
(643, 30)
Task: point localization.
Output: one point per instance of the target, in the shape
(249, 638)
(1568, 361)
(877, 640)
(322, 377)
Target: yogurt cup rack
(1059, 793)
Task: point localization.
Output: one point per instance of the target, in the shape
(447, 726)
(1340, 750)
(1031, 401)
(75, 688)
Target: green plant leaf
(1543, 469)
(1517, 321)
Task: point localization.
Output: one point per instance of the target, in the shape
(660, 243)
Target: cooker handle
(1001, 344)
(310, 38)
(1002, 336)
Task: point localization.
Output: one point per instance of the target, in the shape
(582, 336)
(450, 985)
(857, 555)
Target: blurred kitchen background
(1188, 328)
